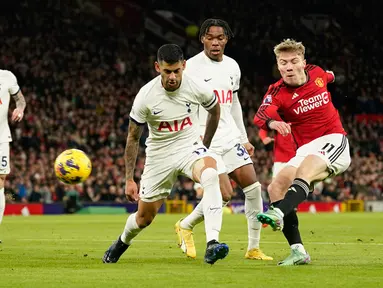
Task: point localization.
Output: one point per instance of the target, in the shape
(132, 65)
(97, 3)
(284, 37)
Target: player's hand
(17, 115)
(131, 191)
(249, 148)
(267, 140)
(282, 128)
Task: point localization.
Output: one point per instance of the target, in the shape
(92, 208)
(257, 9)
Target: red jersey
(308, 108)
(284, 146)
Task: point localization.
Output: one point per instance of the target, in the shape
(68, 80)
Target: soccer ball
(72, 166)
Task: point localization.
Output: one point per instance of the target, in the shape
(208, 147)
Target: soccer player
(8, 88)
(309, 115)
(230, 144)
(169, 105)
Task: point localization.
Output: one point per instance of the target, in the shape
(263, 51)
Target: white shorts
(332, 148)
(232, 159)
(160, 175)
(277, 167)
(5, 165)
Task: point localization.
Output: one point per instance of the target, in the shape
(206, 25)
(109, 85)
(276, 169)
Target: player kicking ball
(169, 105)
(309, 115)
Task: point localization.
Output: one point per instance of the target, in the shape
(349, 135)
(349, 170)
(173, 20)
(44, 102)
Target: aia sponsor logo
(175, 126)
(224, 96)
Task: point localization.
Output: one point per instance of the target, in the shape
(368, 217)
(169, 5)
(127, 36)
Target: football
(72, 166)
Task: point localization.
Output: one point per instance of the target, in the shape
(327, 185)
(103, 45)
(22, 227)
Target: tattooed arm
(18, 113)
(131, 148)
(131, 151)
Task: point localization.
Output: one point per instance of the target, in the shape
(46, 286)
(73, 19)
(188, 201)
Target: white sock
(131, 229)
(253, 205)
(212, 204)
(195, 217)
(299, 247)
(2, 204)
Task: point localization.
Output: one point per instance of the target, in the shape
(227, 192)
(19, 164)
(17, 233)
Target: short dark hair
(170, 53)
(215, 22)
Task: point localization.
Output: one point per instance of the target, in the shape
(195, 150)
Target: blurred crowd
(80, 73)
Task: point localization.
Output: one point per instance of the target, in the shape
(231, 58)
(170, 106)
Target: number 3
(4, 161)
(241, 150)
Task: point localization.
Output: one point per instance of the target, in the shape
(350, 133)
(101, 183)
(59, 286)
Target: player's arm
(136, 127)
(330, 76)
(214, 114)
(17, 95)
(131, 149)
(267, 116)
(236, 112)
(265, 138)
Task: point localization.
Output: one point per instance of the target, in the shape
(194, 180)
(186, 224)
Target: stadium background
(80, 63)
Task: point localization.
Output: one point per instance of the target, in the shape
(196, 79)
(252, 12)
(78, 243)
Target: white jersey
(8, 87)
(172, 117)
(224, 77)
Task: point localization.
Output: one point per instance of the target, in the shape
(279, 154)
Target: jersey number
(241, 150)
(329, 146)
(4, 161)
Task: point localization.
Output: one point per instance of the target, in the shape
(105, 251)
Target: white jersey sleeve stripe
(16, 92)
(210, 105)
(135, 121)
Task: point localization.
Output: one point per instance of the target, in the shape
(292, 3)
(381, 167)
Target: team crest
(319, 82)
(268, 99)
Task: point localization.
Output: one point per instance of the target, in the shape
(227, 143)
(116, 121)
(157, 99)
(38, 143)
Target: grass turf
(66, 251)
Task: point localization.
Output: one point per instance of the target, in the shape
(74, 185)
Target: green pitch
(66, 251)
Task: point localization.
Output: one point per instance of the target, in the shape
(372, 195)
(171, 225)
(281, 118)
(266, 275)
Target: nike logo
(293, 189)
(215, 208)
(245, 158)
(207, 80)
(157, 112)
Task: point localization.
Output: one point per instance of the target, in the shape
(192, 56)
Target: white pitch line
(171, 241)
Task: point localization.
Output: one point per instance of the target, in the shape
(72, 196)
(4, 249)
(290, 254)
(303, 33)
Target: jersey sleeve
(13, 86)
(139, 111)
(237, 79)
(205, 95)
(268, 109)
(236, 112)
(330, 76)
(262, 134)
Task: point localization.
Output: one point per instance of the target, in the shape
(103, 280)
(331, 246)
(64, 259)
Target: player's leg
(184, 227)
(240, 168)
(246, 178)
(155, 186)
(324, 156)
(5, 169)
(205, 172)
(134, 225)
(277, 189)
(2, 197)
(196, 217)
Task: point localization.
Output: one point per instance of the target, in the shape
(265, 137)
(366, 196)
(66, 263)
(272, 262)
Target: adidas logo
(295, 95)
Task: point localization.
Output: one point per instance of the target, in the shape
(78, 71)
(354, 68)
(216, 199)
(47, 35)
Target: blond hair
(289, 45)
